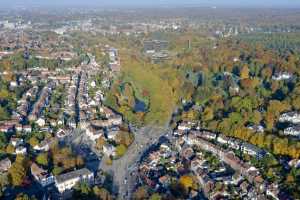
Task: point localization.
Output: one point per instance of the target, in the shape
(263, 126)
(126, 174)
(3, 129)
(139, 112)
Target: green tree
(57, 170)
(155, 196)
(22, 197)
(10, 149)
(42, 159)
(33, 141)
(121, 150)
(83, 188)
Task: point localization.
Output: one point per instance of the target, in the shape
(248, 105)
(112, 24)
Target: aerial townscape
(140, 101)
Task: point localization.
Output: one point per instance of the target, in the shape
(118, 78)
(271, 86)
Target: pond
(140, 106)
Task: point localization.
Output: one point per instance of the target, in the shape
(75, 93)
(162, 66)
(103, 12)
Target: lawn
(161, 83)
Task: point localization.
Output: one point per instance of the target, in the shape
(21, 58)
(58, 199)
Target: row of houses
(70, 101)
(24, 102)
(246, 170)
(233, 143)
(293, 118)
(14, 125)
(108, 128)
(41, 102)
(279, 76)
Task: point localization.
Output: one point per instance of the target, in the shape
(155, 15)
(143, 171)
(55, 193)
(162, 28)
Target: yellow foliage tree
(245, 72)
(186, 181)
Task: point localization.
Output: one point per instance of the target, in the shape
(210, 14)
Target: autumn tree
(102, 193)
(42, 159)
(187, 182)
(208, 114)
(17, 172)
(141, 194)
(33, 141)
(100, 142)
(244, 74)
(155, 196)
(121, 150)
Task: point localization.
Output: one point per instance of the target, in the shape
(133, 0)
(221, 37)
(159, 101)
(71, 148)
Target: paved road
(121, 168)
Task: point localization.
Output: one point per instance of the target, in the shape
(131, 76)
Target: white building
(293, 131)
(61, 133)
(27, 129)
(293, 117)
(16, 141)
(109, 150)
(68, 180)
(44, 145)
(273, 191)
(222, 139)
(5, 164)
(41, 122)
(41, 176)
(21, 150)
(282, 76)
(185, 126)
(256, 128)
(93, 134)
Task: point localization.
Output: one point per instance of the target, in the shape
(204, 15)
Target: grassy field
(161, 83)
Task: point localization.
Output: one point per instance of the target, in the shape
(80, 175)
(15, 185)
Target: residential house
(179, 133)
(67, 181)
(111, 135)
(5, 164)
(273, 191)
(184, 126)
(40, 122)
(27, 128)
(292, 131)
(16, 141)
(41, 175)
(279, 76)
(61, 133)
(252, 150)
(93, 133)
(21, 150)
(44, 145)
(109, 150)
(6, 128)
(19, 127)
(222, 139)
(256, 128)
(234, 143)
(164, 180)
(208, 135)
(295, 163)
(293, 117)
(115, 121)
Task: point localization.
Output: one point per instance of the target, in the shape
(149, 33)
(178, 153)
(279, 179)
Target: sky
(154, 3)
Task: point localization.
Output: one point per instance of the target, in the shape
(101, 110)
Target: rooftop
(74, 174)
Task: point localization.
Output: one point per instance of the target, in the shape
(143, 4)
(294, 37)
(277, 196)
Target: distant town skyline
(153, 3)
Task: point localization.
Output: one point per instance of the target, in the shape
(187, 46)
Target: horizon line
(143, 6)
